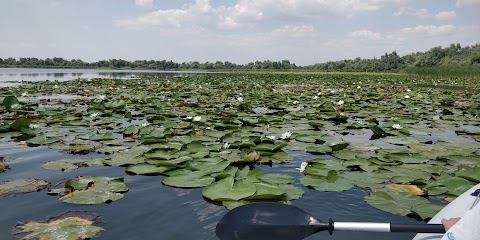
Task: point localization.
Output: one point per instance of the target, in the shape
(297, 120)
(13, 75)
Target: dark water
(15, 76)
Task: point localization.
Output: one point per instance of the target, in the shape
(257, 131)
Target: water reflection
(15, 76)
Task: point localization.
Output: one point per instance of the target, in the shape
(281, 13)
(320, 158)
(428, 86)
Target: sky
(304, 32)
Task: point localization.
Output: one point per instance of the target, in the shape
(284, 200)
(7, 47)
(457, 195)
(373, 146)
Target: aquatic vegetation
(200, 132)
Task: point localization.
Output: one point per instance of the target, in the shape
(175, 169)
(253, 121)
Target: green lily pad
(10, 102)
(469, 173)
(269, 147)
(455, 185)
(333, 182)
(147, 169)
(228, 189)
(268, 191)
(72, 225)
(393, 201)
(276, 178)
(319, 149)
(72, 164)
(401, 140)
(191, 180)
(19, 186)
(91, 190)
(428, 210)
(20, 124)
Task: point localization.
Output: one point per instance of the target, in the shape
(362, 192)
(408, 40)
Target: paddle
(265, 221)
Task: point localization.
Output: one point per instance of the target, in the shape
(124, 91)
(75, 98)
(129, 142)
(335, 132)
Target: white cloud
(468, 3)
(293, 31)
(144, 3)
(189, 14)
(247, 12)
(429, 29)
(445, 15)
(412, 11)
(365, 34)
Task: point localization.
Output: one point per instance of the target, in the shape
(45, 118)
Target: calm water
(15, 76)
(149, 209)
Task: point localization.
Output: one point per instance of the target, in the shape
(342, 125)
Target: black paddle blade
(264, 221)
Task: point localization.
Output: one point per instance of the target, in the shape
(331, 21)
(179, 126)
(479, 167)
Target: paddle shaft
(388, 227)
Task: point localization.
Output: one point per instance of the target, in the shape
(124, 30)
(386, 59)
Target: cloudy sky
(240, 31)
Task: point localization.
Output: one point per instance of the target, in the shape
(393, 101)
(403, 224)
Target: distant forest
(454, 56)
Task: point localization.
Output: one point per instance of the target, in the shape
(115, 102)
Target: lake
(152, 210)
(14, 76)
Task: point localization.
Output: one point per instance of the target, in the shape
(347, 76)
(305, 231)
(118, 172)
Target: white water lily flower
(33, 126)
(396, 126)
(407, 97)
(359, 87)
(295, 102)
(24, 94)
(408, 90)
(124, 87)
(240, 99)
(302, 167)
(341, 114)
(145, 124)
(188, 117)
(101, 97)
(95, 114)
(271, 137)
(226, 145)
(436, 117)
(341, 102)
(197, 118)
(56, 86)
(315, 97)
(286, 135)
(332, 91)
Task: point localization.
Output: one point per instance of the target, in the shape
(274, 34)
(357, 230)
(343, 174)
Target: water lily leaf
(191, 180)
(178, 162)
(278, 157)
(91, 190)
(276, 178)
(319, 149)
(469, 173)
(413, 189)
(428, 210)
(228, 189)
(147, 169)
(103, 137)
(333, 182)
(72, 164)
(195, 147)
(250, 156)
(401, 140)
(329, 164)
(366, 179)
(266, 191)
(345, 154)
(409, 158)
(125, 158)
(20, 124)
(72, 225)
(455, 185)
(10, 102)
(393, 201)
(292, 192)
(12, 188)
(269, 147)
(226, 173)
(338, 146)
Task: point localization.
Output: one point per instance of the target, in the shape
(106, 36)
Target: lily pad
(91, 190)
(228, 189)
(393, 201)
(191, 180)
(147, 169)
(333, 182)
(72, 226)
(428, 210)
(12, 188)
(72, 164)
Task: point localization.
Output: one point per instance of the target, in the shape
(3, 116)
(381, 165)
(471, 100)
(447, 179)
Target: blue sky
(240, 31)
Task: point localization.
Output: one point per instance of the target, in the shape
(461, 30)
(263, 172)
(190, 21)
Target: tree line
(454, 55)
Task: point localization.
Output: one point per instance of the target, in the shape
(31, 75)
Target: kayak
(456, 208)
